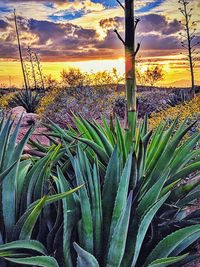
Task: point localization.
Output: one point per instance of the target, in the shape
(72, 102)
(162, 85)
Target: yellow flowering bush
(47, 99)
(189, 109)
(5, 99)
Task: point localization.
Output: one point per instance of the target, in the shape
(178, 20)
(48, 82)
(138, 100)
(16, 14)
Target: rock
(29, 119)
(17, 113)
(164, 102)
(18, 110)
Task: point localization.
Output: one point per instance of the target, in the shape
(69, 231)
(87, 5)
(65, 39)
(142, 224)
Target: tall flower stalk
(130, 59)
(20, 51)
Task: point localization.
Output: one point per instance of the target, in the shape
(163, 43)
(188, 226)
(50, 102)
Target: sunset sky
(80, 33)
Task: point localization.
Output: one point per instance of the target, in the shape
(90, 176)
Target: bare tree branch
(120, 4)
(119, 36)
(136, 23)
(137, 49)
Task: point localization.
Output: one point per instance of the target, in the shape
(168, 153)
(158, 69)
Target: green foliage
(130, 209)
(27, 99)
(133, 200)
(28, 197)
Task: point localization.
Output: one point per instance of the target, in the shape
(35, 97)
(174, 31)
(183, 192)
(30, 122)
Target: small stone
(29, 119)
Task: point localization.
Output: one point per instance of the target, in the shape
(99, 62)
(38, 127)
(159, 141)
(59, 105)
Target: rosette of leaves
(134, 206)
(29, 201)
(27, 99)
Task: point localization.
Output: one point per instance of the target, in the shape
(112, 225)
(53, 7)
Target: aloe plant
(118, 214)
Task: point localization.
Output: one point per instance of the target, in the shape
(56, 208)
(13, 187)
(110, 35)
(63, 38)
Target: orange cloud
(86, 5)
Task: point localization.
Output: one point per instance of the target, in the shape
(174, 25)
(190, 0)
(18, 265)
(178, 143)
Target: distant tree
(189, 42)
(140, 75)
(150, 76)
(73, 78)
(153, 74)
(101, 78)
(2, 85)
(117, 78)
(50, 83)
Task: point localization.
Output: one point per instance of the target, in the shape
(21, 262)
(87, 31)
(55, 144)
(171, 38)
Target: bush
(6, 99)
(189, 109)
(47, 100)
(27, 99)
(119, 107)
(73, 78)
(59, 104)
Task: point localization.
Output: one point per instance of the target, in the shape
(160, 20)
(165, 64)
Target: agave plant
(27, 99)
(131, 211)
(122, 218)
(134, 203)
(28, 200)
(108, 222)
(164, 146)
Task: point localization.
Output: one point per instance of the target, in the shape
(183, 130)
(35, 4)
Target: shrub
(6, 99)
(27, 99)
(73, 78)
(151, 76)
(119, 107)
(50, 82)
(47, 100)
(179, 96)
(189, 109)
(89, 102)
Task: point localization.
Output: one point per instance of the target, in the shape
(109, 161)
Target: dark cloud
(88, 34)
(110, 41)
(3, 24)
(46, 30)
(158, 23)
(149, 42)
(157, 42)
(149, 23)
(51, 39)
(66, 41)
(8, 50)
(154, 30)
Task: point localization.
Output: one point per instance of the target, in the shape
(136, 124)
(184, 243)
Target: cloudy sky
(80, 33)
